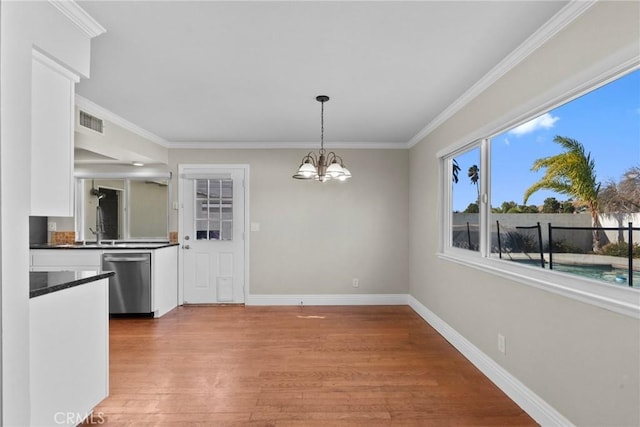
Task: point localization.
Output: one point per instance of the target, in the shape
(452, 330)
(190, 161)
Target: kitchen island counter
(46, 282)
(107, 246)
(68, 345)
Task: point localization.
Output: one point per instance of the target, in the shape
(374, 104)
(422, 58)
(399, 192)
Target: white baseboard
(335, 299)
(531, 403)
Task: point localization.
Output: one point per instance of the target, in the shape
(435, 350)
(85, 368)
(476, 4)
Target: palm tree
(456, 170)
(474, 176)
(572, 173)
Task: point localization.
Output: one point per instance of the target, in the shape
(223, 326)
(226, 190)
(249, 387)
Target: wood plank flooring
(292, 366)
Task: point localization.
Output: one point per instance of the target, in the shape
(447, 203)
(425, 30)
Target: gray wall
(581, 359)
(316, 237)
(148, 209)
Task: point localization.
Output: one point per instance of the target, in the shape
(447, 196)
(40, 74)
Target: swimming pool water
(605, 273)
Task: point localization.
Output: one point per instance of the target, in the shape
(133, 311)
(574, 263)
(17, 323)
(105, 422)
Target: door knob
(186, 237)
(186, 247)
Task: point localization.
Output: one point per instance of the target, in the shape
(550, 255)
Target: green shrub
(620, 249)
(519, 242)
(563, 247)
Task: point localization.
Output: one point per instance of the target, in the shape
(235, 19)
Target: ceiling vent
(88, 121)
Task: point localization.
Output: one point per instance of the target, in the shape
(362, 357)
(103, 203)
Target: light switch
(52, 226)
(255, 226)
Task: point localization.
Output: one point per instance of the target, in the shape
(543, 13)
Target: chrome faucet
(99, 223)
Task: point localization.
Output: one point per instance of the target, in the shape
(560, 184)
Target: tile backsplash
(63, 237)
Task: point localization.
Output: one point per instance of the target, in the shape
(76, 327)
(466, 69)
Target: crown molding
(79, 16)
(95, 109)
(605, 71)
(287, 145)
(103, 113)
(552, 27)
(45, 60)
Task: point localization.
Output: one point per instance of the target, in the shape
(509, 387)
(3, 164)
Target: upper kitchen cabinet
(59, 34)
(52, 114)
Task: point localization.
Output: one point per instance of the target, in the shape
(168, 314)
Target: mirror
(131, 208)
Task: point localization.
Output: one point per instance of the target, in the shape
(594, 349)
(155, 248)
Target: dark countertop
(106, 246)
(46, 282)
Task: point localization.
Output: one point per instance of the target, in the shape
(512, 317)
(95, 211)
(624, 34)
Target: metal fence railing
(630, 244)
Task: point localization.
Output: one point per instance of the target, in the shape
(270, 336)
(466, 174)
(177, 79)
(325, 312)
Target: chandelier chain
(322, 127)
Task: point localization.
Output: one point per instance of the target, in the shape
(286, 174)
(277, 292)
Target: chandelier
(322, 166)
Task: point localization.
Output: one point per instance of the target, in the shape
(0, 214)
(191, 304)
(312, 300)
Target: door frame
(212, 169)
(123, 209)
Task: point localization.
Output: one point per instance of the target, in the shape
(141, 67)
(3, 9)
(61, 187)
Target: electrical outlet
(51, 226)
(502, 344)
(356, 283)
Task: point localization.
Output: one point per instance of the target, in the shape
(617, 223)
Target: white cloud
(506, 141)
(545, 121)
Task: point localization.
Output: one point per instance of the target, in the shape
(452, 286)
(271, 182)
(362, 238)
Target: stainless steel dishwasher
(130, 288)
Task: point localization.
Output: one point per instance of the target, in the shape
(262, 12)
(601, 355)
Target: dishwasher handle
(125, 259)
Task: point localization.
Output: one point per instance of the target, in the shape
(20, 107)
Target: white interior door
(212, 241)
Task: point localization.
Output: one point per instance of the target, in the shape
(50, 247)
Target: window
(465, 196)
(214, 209)
(559, 192)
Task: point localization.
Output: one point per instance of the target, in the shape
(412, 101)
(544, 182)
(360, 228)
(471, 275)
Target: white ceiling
(249, 72)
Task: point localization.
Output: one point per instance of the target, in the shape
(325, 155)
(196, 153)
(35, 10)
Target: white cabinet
(52, 113)
(164, 277)
(65, 260)
(69, 353)
(164, 280)
(164, 269)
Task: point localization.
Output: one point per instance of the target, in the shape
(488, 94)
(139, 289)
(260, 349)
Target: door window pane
(202, 189)
(213, 214)
(202, 230)
(227, 230)
(227, 213)
(202, 209)
(227, 189)
(214, 230)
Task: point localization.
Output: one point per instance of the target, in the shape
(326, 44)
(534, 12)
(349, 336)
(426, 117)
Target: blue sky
(606, 121)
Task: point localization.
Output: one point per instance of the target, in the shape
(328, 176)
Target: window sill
(611, 297)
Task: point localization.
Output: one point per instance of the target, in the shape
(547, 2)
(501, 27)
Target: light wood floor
(283, 366)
